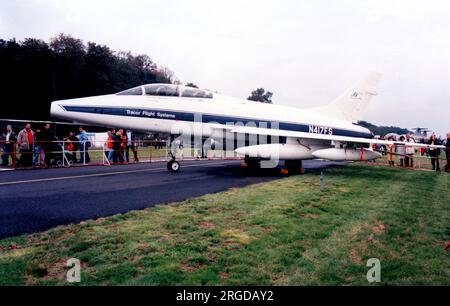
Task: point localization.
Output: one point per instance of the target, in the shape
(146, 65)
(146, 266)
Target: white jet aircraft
(329, 132)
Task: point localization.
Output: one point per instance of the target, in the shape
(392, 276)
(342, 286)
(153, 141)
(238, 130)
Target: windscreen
(136, 91)
(161, 90)
(191, 92)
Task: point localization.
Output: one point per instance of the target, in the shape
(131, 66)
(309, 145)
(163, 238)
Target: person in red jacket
(69, 149)
(109, 150)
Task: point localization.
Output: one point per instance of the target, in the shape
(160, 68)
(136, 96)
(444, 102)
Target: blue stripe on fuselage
(206, 118)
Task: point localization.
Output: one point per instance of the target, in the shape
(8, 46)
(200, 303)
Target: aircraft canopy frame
(167, 90)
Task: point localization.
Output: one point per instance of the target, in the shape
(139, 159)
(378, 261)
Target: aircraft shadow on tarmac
(238, 171)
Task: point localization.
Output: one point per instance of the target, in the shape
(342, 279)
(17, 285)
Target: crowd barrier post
(150, 152)
(105, 158)
(84, 152)
(64, 159)
(64, 154)
(15, 155)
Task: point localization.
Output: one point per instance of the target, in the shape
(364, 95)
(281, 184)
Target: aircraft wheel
(252, 163)
(173, 166)
(293, 166)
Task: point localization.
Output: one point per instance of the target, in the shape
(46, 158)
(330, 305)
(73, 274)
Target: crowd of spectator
(118, 146)
(406, 153)
(41, 147)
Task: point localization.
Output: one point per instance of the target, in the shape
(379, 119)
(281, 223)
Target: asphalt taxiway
(36, 200)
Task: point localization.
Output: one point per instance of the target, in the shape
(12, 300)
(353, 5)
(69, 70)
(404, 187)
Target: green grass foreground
(285, 232)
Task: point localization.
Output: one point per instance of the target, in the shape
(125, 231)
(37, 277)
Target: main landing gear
(290, 166)
(293, 167)
(251, 163)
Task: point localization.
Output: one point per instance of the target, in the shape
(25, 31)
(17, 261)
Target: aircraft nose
(56, 110)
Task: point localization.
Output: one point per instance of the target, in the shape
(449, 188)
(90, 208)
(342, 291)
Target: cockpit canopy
(170, 90)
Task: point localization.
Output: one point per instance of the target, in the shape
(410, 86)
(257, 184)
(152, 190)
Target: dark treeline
(34, 73)
(383, 130)
(261, 95)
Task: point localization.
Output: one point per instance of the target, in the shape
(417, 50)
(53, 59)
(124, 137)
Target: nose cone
(241, 151)
(56, 110)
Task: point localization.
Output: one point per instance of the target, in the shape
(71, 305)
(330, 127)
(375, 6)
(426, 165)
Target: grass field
(284, 232)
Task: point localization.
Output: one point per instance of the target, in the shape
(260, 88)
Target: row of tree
(383, 130)
(35, 72)
(261, 95)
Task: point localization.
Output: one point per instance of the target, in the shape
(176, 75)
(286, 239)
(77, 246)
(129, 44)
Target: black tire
(252, 163)
(293, 166)
(173, 166)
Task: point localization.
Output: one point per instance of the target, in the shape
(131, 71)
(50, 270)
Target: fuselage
(159, 113)
(214, 113)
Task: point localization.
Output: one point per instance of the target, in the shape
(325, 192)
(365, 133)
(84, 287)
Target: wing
(294, 134)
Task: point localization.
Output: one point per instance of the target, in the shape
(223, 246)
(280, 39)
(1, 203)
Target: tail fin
(352, 105)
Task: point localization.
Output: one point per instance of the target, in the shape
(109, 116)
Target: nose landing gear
(173, 165)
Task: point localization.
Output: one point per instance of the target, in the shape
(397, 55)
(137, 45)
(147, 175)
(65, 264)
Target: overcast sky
(307, 52)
